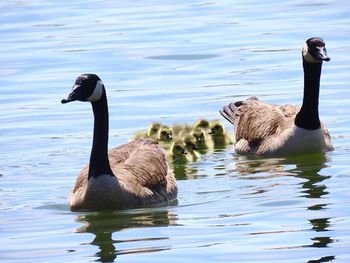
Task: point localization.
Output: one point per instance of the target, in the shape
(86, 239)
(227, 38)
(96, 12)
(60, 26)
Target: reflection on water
(323, 259)
(103, 225)
(183, 170)
(306, 167)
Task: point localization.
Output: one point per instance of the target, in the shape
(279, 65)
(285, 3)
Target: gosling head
(201, 123)
(153, 129)
(314, 50)
(87, 87)
(165, 133)
(178, 148)
(216, 128)
(199, 134)
(191, 143)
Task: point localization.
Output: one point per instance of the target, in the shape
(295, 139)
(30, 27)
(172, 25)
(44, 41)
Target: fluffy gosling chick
(191, 147)
(219, 135)
(151, 132)
(182, 129)
(165, 134)
(204, 142)
(177, 152)
(201, 123)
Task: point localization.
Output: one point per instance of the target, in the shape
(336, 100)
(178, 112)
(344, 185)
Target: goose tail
(234, 110)
(229, 111)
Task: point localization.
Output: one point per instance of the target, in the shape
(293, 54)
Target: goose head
(87, 87)
(314, 50)
(216, 128)
(165, 133)
(153, 129)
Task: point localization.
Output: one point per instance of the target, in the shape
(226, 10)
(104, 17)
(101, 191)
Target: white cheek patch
(307, 56)
(96, 95)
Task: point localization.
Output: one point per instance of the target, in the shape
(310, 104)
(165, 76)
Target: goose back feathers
(141, 176)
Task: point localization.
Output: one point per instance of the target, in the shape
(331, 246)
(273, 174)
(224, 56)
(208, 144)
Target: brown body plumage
(142, 177)
(267, 129)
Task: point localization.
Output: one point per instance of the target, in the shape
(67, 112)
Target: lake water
(173, 62)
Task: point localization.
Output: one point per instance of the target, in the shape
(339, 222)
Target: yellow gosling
(219, 135)
(201, 123)
(177, 152)
(150, 133)
(203, 140)
(181, 129)
(191, 147)
(165, 134)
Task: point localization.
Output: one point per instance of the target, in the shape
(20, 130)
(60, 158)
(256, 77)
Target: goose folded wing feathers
(145, 164)
(257, 120)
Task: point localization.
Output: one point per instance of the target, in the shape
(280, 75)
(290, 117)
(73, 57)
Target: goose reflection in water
(307, 167)
(104, 224)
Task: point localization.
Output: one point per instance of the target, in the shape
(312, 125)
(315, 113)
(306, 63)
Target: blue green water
(173, 62)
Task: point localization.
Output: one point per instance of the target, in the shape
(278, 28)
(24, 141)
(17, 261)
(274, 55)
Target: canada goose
(164, 133)
(201, 123)
(177, 152)
(131, 175)
(265, 129)
(191, 147)
(182, 129)
(203, 140)
(155, 131)
(219, 135)
(151, 132)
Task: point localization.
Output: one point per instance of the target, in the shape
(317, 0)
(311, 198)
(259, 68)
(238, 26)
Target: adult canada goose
(265, 129)
(131, 175)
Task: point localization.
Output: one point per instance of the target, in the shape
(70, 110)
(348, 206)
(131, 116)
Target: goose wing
(289, 111)
(142, 163)
(142, 171)
(255, 120)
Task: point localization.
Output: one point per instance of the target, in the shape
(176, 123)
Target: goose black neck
(99, 162)
(308, 117)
